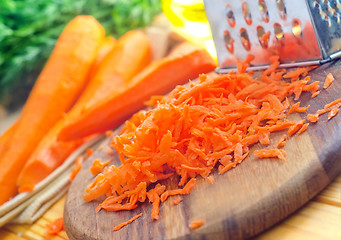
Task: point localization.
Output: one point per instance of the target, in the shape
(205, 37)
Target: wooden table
(318, 219)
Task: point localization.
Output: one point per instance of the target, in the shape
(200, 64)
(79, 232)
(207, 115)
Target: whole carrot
(5, 138)
(55, 91)
(184, 63)
(50, 152)
(106, 46)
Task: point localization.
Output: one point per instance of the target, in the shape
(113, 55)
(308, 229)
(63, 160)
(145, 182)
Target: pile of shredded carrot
(194, 130)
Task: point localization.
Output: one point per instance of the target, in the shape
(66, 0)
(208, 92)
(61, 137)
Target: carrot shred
(332, 113)
(294, 128)
(210, 179)
(196, 224)
(121, 225)
(296, 108)
(97, 166)
(303, 128)
(76, 168)
(329, 79)
(177, 200)
(333, 103)
(313, 118)
(271, 153)
(281, 141)
(89, 152)
(55, 227)
(294, 75)
(315, 94)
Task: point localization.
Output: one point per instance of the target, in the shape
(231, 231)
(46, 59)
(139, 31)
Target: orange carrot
(313, 118)
(106, 46)
(55, 227)
(26, 188)
(294, 75)
(89, 152)
(210, 123)
(50, 152)
(315, 94)
(112, 111)
(97, 166)
(121, 225)
(154, 197)
(329, 79)
(5, 138)
(294, 128)
(76, 168)
(296, 108)
(177, 200)
(210, 179)
(196, 224)
(332, 113)
(271, 153)
(333, 103)
(55, 90)
(303, 128)
(131, 53)
(281, 141)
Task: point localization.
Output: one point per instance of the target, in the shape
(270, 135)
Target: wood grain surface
(242, 202)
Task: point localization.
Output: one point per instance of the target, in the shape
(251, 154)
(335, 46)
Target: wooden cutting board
(242, 202)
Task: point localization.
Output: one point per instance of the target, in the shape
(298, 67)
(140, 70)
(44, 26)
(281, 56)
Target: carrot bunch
(55, 91)
(210, 124)
(87, 73)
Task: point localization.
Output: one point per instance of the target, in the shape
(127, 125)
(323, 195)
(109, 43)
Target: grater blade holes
(263, 37)
(282, 9)
(230, 16)
(246, 13)
(245, 39)
(278, 30)
(297, 30)
(264, 10)
(228, 40)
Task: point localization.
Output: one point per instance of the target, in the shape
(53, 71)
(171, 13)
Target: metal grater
(300, 32)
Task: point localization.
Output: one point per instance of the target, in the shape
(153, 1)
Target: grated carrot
(196, 224)
(89, 152)
(313, 118)
(315, 94)
(55, 227)
(97, 166)
(296, 108)
(177, 200)
(329, 79)
(294, 128)
(332, 113)
(76, 168)
(303, 128)
(121, 225)
(209, 124)
(294, 75)
(271, 153)
(281, 141)
(210, 179)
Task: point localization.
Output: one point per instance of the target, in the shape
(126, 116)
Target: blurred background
(29, 30)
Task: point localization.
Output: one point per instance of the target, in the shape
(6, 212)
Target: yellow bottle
(188, 19)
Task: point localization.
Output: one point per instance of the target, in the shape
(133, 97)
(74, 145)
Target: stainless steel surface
(300, 32)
